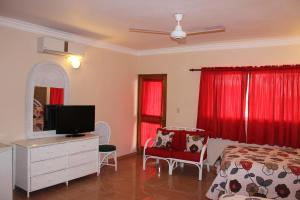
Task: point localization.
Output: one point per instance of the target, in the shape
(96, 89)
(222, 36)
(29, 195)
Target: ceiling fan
(178, 33)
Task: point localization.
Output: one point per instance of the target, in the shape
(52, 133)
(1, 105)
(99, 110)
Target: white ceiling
(109, 20)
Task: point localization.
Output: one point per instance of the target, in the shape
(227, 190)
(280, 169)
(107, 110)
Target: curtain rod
(195, 70)
(263, 67)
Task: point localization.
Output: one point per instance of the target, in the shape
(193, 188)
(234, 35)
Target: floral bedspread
(272, 173)
(239, 197)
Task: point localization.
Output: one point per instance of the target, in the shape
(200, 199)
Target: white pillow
(194, 143)
(163, 140)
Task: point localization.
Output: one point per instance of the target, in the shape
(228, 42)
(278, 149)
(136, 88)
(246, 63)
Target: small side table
(6, 175)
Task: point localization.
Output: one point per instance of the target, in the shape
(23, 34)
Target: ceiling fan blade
(211, 29)
(148, 31)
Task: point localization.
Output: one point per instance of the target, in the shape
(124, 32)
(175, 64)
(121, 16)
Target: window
(273, 107)
(222, 101)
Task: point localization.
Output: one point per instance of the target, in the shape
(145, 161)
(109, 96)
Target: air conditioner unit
(59, 47)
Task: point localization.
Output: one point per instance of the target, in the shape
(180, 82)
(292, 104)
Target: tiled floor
(130, 182)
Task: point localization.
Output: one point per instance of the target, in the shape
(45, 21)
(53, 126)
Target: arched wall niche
(46, 74)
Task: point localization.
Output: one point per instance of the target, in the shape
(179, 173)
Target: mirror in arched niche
(47, 85)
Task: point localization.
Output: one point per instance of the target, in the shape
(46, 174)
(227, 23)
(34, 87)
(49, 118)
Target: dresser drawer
(47, 180)
(82, 170)
(83, 145)
(82, 158)
(48, 152)
(46, 166)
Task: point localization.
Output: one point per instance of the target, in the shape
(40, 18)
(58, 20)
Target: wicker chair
(102, 129)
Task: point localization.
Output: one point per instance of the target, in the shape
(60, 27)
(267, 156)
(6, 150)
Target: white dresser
(40, 163)
(5, 172)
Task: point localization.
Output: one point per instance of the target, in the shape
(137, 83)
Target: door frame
(164, 103)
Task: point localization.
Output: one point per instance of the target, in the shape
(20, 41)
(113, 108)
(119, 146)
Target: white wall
(105, 79)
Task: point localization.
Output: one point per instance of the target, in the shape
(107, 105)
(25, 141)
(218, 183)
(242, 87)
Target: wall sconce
(75, 61)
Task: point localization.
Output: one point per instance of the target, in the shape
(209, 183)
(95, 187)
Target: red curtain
(152, 97)
(148, 130)
(274, 106)
(222, 100)
(151, 108)
(57, 96)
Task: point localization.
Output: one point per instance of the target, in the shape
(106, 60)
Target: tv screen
(50, 117)
(75, 119)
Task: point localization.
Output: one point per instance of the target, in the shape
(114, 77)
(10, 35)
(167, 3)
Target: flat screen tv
(50, 117)
(74, 120)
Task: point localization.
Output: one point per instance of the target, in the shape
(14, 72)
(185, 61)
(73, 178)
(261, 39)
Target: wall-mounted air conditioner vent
(59, 47)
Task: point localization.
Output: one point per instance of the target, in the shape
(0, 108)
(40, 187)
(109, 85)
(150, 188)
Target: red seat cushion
(183, 155)
(154, 151)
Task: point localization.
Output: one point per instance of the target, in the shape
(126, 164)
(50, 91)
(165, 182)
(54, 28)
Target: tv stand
(41, 163)
(76, 135)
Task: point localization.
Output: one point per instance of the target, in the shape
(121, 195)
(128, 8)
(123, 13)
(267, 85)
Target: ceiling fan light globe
(178, 34)
(178, 16)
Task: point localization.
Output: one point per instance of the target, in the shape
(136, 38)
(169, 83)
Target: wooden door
(152, 98)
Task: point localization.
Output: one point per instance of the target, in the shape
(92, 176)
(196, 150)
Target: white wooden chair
(102, 129)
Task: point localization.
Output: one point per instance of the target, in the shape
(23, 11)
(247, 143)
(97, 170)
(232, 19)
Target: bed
(239, 197)
(267, 172)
